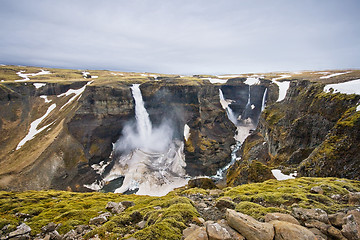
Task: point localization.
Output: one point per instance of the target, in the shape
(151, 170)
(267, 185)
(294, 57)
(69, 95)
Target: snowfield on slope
(33, 127)
(350, 87)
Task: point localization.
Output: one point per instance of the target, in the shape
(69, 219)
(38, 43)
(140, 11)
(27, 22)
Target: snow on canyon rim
(26, 76)
(334, 75)
(350, 87)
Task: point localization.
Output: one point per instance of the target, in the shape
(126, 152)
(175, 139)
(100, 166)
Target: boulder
(326, 229)
(290, 231)
(141, 224)
(225, 203)
(217, 232)
(318, 234)
(351, 228)
(249, 227)
(127, 204)
(22, 229)
(136, 217)
(205, 183)
(189, 230)
(49, 227)
(317, 190)
(54, 235)
(337, 219)
(216, 192)
(354, 198)
(70, 235)
(234, 234)
(98, 220)
(114, 207)
(306, 214)
(83, 229)
(198, 234)
(281, 217)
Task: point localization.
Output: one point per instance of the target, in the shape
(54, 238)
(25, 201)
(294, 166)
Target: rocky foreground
(303, 208)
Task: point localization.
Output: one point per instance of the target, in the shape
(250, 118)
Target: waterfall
(227, 108)
(142, 117)
(264, 100)
(249, 97)
(147, 159)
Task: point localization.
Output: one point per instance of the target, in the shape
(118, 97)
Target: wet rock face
(198, 106)
(98, 122)
(313, 132)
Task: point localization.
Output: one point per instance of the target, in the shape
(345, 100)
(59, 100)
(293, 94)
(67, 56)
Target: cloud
(195, 36)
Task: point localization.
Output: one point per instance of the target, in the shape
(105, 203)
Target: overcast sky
(181, 36)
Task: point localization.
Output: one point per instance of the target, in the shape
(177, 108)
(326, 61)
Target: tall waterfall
(228, 110)
(264, 100)
(148, 159)
(143, 122)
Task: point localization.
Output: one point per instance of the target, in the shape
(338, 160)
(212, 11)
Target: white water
(263, 105)
(225, 104)
(149, 159)
(142, 117)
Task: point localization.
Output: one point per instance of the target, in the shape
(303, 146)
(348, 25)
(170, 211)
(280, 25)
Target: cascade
(142, 117)
(264, 100)
(227, 108)
(147, 160)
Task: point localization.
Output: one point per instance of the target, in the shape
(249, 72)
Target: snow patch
(45, 98)
(228, 76)
(39, 85)
(216, 80)
(334, 75)
(33, 127)
(77, 93)
(186, 132)
(358, 108)
(283, 87)
(252, 81)
(280, 176)
(26, 76)
(350, 87)
(281, 77)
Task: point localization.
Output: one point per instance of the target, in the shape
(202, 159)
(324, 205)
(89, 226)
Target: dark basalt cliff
(313, 132)
(82, 133)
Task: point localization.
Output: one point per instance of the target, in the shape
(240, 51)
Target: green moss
(273, 116)
(255, 210)
(193, 191)
(170, 228)
(283, 194)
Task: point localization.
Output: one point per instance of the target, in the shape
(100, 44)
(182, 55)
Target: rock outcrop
(311, 131)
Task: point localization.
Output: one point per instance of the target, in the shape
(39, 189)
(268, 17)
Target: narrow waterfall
(263, 105)
(225, 105)
(143, 122)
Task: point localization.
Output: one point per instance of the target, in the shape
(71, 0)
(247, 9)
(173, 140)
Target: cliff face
(81, 129)
(313, 132)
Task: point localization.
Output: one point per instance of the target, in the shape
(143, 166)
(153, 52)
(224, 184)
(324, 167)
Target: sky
(181, 36)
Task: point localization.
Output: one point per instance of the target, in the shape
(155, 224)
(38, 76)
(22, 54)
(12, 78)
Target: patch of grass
(281, 195)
